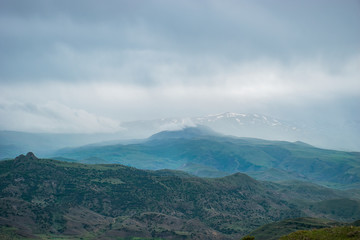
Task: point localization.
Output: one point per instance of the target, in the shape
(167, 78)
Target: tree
(248, 238)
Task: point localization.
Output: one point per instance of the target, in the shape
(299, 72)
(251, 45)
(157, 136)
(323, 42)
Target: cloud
(53, 117)
(86, 40)
(63, 64)
(177, 91)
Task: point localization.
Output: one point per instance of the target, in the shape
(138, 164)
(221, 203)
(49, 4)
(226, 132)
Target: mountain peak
(226, 115)
(187, 132)
(29, 157)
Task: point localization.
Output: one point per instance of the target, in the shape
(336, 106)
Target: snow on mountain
(229, 123)
(250, 125)
(240, 118)
(336, 136)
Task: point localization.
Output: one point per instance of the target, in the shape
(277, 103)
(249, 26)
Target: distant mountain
(237, 124)
(14, 143)
(41, 197)
(254, 125)
(198, 151)
(250, 125)
(185, 133)
(234, 124)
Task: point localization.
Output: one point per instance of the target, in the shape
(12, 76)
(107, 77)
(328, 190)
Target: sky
(87, 66)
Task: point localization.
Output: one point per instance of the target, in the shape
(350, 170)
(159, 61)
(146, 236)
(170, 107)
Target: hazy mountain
(237, 124)
(345, 136)
(252, 125)
(185, 133)
(40, 196)
(204, 152)
(14, 143)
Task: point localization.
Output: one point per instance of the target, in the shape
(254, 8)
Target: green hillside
(274, 231)
(335, 233)
(214, 155)
(41, 197)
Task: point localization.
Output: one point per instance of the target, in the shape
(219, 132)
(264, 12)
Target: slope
(40, 196)
(259, 158)
(335, 233)
(276, 230)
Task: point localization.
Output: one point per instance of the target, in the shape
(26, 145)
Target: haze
(88, 66)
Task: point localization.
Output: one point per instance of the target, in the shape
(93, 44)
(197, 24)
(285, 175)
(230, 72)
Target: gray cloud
(33, 32)
(53, 117)
(124, 60)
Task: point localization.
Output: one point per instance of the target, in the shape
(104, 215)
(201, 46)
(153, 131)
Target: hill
(274, 231)
(335, 233)
(42, 196)
(216, 155)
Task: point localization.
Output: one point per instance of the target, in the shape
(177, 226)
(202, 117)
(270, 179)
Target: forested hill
(42, 196)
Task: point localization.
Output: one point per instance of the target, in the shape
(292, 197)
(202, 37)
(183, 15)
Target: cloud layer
(85, 66)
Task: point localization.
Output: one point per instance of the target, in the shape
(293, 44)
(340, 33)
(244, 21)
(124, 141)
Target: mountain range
(47, 199)
(203, 152)
(342, 137)
(193, 180)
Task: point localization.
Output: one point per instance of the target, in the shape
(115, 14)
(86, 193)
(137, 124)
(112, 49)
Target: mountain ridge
(13, 143)
(43, 196)
(186, 132)
(217, 155)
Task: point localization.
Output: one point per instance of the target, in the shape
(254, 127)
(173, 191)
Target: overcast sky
(86, 66)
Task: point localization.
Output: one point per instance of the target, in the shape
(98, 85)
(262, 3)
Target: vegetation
(335, 233)
(275, 230)
(59, 200)
(248, 238)
(214, 156)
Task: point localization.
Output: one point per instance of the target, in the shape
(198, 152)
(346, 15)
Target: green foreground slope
(335, 233)
(275, 230)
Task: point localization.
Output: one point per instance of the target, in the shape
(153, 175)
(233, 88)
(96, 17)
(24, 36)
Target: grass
(10, 233)
(274, 231)
(335, 233)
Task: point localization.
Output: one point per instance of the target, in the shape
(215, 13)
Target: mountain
(208, 154)
(14, 143)
(185, 133)
(262, 126)
(250, 125)
(53, 199)
(236, 124)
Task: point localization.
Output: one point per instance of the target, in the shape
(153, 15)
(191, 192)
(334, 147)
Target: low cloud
(261, 86)
(53, 117)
